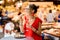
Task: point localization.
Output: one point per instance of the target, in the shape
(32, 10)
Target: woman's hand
(33, 29)
(29, 26)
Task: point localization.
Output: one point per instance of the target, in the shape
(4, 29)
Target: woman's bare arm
(39, 29)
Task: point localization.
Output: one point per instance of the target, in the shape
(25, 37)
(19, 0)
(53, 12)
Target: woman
(32, 26)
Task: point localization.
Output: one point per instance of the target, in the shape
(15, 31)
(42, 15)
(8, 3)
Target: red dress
(30, 33)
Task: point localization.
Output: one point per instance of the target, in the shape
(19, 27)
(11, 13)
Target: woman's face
(27, 10)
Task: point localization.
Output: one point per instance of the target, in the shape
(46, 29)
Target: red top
(30, 33)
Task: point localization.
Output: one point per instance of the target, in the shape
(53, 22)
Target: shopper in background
(0, 16)
(32, 26)
(50, 17)
(9, 27)
(59, 16)
(16, 28)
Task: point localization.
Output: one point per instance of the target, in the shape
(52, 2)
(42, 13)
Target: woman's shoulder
(39, 19)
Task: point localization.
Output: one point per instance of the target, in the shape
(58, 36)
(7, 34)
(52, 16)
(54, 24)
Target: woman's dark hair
(34, 7)
(50, 11)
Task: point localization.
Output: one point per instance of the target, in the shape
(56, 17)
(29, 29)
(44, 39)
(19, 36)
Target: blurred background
(11, 10)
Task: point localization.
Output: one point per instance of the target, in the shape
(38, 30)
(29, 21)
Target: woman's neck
(30, 16)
